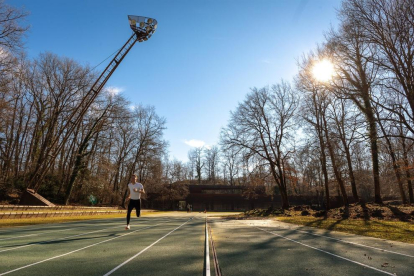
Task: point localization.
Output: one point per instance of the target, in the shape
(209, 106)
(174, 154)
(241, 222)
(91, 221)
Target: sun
(323, 70)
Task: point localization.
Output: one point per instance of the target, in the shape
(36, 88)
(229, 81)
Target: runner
(135, 190)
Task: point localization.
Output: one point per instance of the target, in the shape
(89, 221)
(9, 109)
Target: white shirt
(134, 190)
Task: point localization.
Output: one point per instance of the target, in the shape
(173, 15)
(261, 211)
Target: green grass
(389, 230)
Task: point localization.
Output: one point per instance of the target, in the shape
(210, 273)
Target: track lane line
(326, 252)
(11, 238)
(74, 251)
(357, 244)
(345, 241)
(22, 228)
(61, 230)
(217, 269)
(49, 241)
(145, 249)
(207, 252)
(64, 238)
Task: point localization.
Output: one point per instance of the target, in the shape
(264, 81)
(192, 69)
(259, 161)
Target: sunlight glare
(323, 70)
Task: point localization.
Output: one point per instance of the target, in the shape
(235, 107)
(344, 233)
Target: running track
(177, 246)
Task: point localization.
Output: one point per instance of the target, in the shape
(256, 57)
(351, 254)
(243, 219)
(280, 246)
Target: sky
(201, 62)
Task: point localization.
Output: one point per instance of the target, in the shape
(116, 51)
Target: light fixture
(143, 27)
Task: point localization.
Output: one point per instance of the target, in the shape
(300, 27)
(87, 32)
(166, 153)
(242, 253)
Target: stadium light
(142, 26)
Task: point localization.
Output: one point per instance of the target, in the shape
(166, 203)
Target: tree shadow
(400, 215)
(59, 241)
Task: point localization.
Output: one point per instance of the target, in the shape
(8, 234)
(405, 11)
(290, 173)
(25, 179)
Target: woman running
(135, 191)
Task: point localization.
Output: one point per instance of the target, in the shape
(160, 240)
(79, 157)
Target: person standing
(135, 190)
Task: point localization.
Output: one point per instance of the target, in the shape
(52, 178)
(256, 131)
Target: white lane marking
(18, 237)
(329, 253)
(52, 258)
(207, 261)
(354, 243)
(142, 251)
(58, 225)
(61, 230)
(36, 234)
(64, 238)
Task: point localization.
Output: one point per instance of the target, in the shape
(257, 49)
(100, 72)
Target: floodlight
(142, 26)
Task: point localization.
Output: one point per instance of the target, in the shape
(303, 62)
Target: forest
(349, 136)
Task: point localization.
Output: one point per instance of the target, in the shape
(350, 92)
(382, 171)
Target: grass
(389, 230)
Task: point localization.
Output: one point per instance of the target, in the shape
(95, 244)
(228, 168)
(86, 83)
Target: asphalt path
(268, 247)
(176, 245)
(94, 249)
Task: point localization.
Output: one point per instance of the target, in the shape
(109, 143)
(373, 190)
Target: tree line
(37, 97)
(349, 136)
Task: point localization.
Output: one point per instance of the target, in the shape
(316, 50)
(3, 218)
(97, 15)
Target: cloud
(196, 143)
(4, 53)
(113, 90)
(265, 61)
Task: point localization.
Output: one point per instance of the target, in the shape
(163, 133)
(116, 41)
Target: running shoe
(127, 227)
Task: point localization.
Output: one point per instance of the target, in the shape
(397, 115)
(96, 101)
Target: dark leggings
(134, 203)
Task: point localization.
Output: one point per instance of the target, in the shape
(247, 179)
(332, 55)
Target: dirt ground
(368, 211)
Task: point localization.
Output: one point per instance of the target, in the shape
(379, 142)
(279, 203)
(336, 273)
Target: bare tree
(97, 123)
(231, 163)
(262, 125)
(356, 76)
(11, 27)
(312, 112)
(148, 130)
(211, 157)
(196, 158)
(393, 155)
(389, 26)
(347, 124)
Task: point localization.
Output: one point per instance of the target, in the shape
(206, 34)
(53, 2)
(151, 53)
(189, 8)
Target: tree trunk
(334, 165)
(407, 172)
(282, 188)
(351, 175)
(318, 127)
(395, 166)
(373, 138)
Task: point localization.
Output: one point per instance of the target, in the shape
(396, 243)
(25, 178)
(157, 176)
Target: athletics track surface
(176, 246)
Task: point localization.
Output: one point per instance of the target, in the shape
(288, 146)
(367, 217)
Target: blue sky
(203, 59)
